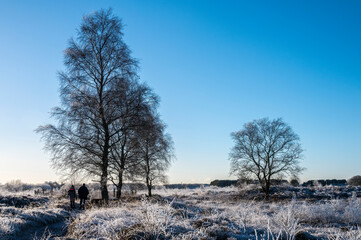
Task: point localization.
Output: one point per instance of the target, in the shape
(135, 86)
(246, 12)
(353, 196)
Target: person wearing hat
(72, 196)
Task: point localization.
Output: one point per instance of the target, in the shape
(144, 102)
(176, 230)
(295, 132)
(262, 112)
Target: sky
(216, 65)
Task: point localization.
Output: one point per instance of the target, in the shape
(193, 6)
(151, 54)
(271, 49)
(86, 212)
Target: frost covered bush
(156, 219)
(333, 211)
(286, 222)
(352, 212)
(294, 182)
(98, 223)
(246, 213)
(147, 221)
(320, 213)
(162, 221)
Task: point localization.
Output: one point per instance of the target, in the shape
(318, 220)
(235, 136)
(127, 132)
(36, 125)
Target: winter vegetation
(207, 212)
(108, 128)
(25, 213)
(355, 180)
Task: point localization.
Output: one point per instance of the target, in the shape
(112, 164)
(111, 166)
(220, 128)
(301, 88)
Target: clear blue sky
(215, 64)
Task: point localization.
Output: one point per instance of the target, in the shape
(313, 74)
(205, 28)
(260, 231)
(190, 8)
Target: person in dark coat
(83, 195)
(72, 196)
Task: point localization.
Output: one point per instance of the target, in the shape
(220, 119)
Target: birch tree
(138, 99)
(155, 149)
(97, 62)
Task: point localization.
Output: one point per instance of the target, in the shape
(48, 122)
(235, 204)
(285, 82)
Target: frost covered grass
(22, 213)
(204, 213)
(13, 221)
(353, 234)
(217, 213)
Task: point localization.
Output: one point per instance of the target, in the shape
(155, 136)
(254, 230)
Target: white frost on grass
(203, 213)
(148, 220)
(15, 220)
(213, 212)
(353, 234)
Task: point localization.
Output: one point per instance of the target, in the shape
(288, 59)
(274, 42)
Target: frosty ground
(328, 212)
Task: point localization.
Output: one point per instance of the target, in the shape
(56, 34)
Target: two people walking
(82, 193)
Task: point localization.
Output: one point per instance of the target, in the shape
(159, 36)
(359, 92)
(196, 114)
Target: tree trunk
(103, 184)
(120, 184)
(149, 190)
(121, 170)
(265, 185)
(104, 176)
(147, 172)
(105, 126)
(267, 190)
(149, 186)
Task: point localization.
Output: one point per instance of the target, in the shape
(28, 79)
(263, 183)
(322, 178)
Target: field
(328, 212)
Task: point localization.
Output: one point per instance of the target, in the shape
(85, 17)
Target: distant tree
(15, 185)
(97, 62)
(294, 182)
(355, 180)
(324, 182)
(265, 149)
(224, 183)
(54, 185)
(155, 149)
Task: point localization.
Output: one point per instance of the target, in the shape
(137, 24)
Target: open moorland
(317, 212)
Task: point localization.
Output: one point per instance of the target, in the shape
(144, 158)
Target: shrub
(17, 186)
(355, 180)
(294, 182)
(323, 182)
(224, 183)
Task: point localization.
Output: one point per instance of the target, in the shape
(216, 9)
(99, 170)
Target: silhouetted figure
(83, 195)
(72, 196)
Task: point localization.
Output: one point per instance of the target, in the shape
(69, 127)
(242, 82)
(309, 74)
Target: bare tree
(266, 150)
(138, 99)
(54, 185)
(155, 149)
(97, 63)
